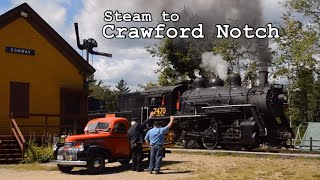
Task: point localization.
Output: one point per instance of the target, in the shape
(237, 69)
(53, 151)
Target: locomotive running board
(186, 116)
(182, 116)
(226, 106)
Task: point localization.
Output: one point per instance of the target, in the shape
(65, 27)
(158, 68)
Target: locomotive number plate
(160, 111)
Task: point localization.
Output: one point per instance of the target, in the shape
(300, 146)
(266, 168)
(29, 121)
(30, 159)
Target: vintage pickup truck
(105, 140)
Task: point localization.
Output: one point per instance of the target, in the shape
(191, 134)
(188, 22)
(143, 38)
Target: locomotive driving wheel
(210, 141)
(188, 142)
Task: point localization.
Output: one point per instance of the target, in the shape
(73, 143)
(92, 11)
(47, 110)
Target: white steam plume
(215, 63)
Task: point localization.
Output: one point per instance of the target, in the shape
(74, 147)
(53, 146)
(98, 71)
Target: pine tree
(122, 87)
(103, 92)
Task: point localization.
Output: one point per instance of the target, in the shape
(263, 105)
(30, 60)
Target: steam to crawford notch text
(110, 31)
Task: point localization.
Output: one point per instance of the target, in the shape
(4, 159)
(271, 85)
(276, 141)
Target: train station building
(42, 78)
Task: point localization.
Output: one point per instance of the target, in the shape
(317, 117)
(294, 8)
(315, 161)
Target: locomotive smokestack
(263, 76)
(265, 59)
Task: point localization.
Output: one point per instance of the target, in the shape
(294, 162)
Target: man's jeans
(156, 153)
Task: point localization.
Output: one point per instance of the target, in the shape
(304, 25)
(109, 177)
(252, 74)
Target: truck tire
(124, 161)
(96, 164)
(65, 169)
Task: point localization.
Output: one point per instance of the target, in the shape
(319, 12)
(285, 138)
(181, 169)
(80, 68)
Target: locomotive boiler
(211, 114)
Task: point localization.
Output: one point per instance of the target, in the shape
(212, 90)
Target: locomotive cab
(164, 101)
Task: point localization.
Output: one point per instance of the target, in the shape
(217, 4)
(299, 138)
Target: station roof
(49, 33)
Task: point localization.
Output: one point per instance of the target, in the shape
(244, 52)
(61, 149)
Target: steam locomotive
(211, 114)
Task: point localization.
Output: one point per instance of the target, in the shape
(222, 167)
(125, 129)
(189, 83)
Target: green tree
(309, 8)
(179, 59)
(148, 85)
(92, 81)
(122, 87)
(302, 100)
(295, 61)
(317, 99)
(103, 92)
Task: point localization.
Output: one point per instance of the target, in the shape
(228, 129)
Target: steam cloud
(237, 13)
(215, 63)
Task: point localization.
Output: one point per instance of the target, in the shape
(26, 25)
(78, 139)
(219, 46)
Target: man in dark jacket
(135, 136)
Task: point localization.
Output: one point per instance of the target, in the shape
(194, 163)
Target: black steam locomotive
(211, 114)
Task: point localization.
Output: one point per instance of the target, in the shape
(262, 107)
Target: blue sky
(130, 60)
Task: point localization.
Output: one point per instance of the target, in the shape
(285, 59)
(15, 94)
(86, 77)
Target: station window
(19, 99)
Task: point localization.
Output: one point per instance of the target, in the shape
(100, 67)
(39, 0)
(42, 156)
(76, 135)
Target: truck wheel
(96, 164)
(124, 161)
(64, 169)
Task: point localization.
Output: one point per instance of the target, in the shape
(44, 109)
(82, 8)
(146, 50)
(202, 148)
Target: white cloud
(134, 72)
(52, 11)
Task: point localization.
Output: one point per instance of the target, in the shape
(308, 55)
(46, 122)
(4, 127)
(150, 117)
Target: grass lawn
(29, 167)
(234, 166)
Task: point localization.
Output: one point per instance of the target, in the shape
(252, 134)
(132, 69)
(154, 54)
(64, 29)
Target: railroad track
(288, 153)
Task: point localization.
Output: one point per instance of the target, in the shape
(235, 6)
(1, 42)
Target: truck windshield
(97, 126)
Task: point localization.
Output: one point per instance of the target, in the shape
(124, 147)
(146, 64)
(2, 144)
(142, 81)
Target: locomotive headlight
(282, 97)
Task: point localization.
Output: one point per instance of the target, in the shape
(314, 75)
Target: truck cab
(104, 140)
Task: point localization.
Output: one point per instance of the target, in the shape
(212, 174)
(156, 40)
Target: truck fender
(99, 149)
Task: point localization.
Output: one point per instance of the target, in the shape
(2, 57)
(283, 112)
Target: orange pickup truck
(105, 140)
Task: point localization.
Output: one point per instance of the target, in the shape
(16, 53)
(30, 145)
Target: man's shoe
(140, 170)
(150, 171)
(159, 172)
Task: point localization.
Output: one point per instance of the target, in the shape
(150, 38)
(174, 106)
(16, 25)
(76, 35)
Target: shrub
(36, 153)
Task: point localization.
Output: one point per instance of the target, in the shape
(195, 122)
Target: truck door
(122, 148)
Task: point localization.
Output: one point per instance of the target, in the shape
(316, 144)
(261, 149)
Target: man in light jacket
(155, 139)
